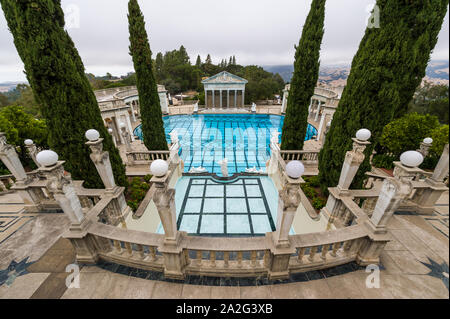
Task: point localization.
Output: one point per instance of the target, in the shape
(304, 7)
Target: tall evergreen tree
(387, 68)
(304, 79)
(208, 59)
(234, 60)
(151, 115)
(56, 73)
(198, 63)
(159, 65)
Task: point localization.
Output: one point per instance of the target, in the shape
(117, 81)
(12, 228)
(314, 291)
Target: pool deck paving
(414, 265)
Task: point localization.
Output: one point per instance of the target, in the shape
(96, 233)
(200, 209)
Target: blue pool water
(244, 139)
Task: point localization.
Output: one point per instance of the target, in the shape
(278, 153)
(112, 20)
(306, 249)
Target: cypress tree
(304, 79)
(385, 72)
(151, 115)
(56, 73)
(198, 63)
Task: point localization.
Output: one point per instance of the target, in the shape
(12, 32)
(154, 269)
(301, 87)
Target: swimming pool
(206, 139)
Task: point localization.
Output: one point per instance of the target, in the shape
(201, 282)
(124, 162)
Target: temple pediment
(224, 77)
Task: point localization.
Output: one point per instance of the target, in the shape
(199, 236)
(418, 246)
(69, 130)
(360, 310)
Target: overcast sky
(259, 32)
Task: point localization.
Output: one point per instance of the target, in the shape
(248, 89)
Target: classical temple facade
(224, 90)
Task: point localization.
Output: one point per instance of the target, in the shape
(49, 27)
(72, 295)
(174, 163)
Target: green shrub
(309, 191)
(147, 178)
(384, 161)
(429, 162)
(406, 133)
(440, 138)
(318, 203)
(314, 181)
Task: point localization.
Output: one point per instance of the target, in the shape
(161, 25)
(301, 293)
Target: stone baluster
(126, 138)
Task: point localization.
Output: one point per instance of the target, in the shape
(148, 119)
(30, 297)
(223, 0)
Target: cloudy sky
(259, 32)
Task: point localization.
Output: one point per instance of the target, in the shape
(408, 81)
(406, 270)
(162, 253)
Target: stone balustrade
(6, 181)
(145, 157)
(307, 157)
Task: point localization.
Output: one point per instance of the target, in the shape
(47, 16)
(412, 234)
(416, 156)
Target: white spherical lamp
(28, 142)
(92, 135)
(329, 124)
(295, 169)
(159, 168)
(122, 124)
(428, 140)
(363, 134)
(47, 158)
(411, 158)
(110, 130)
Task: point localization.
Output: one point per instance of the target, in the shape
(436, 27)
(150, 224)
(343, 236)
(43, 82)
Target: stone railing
(126, 92)
(307, 157)
(325, 92)
(213, 256)
(145, 157)
(182, 109)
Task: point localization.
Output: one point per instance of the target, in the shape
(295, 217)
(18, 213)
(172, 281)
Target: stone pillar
(11, 160)
(130, 128)
(122, 141)
(352, 160)
(235, 98)
(133, 116)
(322, 121)
(288, 202)
(310, 105)
(213, 99)
(243, 95)
(228, 98)
(206, 98)
(441, 169)
(32, 151)
(220, 95)
(172, 250)
(102, 163)
(426, 198)
(279, 244)
(393, 191)
(318, 111)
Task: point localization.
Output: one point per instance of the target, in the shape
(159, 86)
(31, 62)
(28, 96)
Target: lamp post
(111, 132)
(425, 146)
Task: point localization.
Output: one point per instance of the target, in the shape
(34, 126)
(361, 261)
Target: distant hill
(336, 75)
(8, 86)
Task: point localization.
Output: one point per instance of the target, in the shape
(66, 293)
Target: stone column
(235, 98)
(228, 98)
(130, 128)
(394, 190)
(352, 161)
(441, 169)
(424, 148)
(122, 141)
(213, 99)
(133, 116)
(310, 105)
(32, 151)
(318, 111)
(220, 94)
(243, 95)
(322, 121)
(11, 160)
(206, 98)
(102, 163)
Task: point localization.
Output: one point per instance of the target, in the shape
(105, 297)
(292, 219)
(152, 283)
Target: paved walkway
(414, 265)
